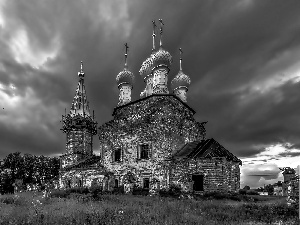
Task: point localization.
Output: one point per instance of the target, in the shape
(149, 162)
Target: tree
(246, 187)
(260, 189)
(29, 165)
(14, 162)
(6, 183)
(270, 189)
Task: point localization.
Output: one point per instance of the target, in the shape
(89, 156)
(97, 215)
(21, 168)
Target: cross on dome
(81, 73)
(161, 31)
(180, 50)
(126, 49)
(153, 35)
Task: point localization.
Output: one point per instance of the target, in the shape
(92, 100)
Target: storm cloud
(242, 57)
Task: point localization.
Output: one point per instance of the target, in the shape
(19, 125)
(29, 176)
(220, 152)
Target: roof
(205, 149)
(80, 104)
(84, 163)
(151, 96)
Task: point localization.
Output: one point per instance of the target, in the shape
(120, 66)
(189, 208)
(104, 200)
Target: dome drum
(124, 83)
(148, 76)
(159, 66)
(179, 87)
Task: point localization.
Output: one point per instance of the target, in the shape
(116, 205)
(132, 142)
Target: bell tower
(79, 126)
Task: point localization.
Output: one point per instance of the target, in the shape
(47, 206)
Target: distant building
(291, 182)
(151, 142)
(263, 193)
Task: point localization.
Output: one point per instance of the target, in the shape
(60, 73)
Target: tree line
(27, 168)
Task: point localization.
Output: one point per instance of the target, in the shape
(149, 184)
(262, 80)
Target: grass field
(27, 208)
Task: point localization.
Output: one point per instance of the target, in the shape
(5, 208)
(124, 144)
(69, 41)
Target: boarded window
(145, 151)
(118, 155)
(146, 183)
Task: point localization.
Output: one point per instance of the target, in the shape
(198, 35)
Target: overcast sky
(243, 58)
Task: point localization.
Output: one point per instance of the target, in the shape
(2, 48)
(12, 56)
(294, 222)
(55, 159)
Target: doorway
(198, 182)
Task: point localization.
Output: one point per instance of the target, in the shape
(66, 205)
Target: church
(152, 142)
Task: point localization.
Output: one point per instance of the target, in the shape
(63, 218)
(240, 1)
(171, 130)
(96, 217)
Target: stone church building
(151, 142)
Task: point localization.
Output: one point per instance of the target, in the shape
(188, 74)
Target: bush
(59, 193)
(242, 191)
(95, 191)
(118, 190)
(76, 196)
(175, 190)
(79, 190)
(163, 192)
(7, 199)
(140, 191)
(216, 195)
(252, 192)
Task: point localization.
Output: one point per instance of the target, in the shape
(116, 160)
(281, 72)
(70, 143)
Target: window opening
(118, 155)
(144, 151)
(146, 183)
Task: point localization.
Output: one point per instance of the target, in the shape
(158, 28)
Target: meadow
(84, 207)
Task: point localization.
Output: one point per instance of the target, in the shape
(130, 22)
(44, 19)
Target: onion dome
(125, 76)
(161, 57)
(180, 79)
(147, 65)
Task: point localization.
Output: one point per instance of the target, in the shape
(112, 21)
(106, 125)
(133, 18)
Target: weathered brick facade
(165, 124)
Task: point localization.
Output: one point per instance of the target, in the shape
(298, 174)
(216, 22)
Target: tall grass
(76, 208)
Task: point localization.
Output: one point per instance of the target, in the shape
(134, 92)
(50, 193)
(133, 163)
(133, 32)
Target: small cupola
(181, 82)
(125, 80)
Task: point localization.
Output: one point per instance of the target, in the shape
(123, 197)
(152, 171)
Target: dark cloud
(233, 51)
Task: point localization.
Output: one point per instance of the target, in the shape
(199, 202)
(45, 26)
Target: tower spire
(153, 36)
(80, 103)
(126, 49)
(180, 61)
(161, 31)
